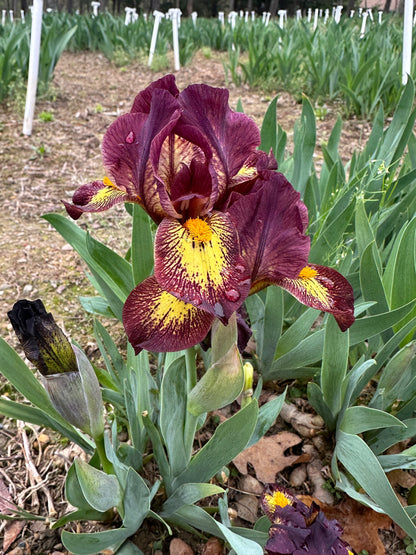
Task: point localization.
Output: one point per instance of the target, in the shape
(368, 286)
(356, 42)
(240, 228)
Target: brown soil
(36, 173)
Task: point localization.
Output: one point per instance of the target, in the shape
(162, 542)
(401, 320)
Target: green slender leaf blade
(94, 542)
(268, 131)
(101, 490)
(187, 494)
(142, 245)
(229, 439)
(173, 397)
(361, 462)
(334, 364)
(370, 326)
(361, 419)
(266, 418)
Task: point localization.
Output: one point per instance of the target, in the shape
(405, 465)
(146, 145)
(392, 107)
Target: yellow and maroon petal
(97, 196)
(199, 262)
(159, 322)
(324, 289)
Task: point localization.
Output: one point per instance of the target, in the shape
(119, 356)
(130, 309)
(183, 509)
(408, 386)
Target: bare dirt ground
(36, 172)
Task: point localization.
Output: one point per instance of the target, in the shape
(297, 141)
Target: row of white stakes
(174, 14)
(132, 15)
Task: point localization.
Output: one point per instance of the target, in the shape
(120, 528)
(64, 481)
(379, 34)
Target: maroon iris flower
(297, 528)
(228, 225)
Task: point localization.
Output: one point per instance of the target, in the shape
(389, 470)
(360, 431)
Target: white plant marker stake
(232, 16)
(309, 14)
(282, 15)
(32, 80)
(129, 12)
(95, 6)
(253, 16)
(11, 16)
(337, 16)
(363, 24)
(158, 16)
(22, 16)
(221, 17)
(315, 19)
(175, 24)
(407, 40)
(360, 12)
(145, 17)
(298, 15)
(414, 19)
(245, 17)
(194, 16)
(352, 12)
(266, 22)
(320, 12)
(134, 15)
(326, 16)
(380, 17)
(370, 14)
(3, 17)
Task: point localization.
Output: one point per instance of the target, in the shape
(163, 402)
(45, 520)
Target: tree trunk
(273, 7)
(189, 7)
(387, 5)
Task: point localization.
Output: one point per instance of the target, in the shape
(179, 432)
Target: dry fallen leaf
(268, 456)
(360, 524)
(11, 532)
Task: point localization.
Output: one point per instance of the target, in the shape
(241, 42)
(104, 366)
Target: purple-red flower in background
(297, 529)
(228, 225)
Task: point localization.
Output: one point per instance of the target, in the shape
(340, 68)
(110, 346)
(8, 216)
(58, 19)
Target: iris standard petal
(126, 151)
(271, 222)
(199, 262)
(324, 289)
(232, 136)
(157, 321)
(97, 196)
(143, 100)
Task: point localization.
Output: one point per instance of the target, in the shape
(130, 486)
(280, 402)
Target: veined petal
(232, 136)
(256, 162)
(157, 321)
(271, 222)
(143, 100)
(324, 289)
(97, 196)
(199, 262)
(126, 151)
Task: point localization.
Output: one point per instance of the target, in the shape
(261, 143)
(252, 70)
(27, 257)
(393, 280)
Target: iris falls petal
(97, 196)
(324, 289)
(157, 321)
(199, 262)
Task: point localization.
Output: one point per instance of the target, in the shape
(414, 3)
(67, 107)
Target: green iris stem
(107, 466)
(191, 420)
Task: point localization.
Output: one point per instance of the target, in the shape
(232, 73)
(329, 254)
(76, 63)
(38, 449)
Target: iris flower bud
(43, 342)
(67, 374)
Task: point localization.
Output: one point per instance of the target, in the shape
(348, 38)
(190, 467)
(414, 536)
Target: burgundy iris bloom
(297, 529)
(228, 225)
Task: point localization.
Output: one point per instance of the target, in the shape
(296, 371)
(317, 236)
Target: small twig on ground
(36, 481)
